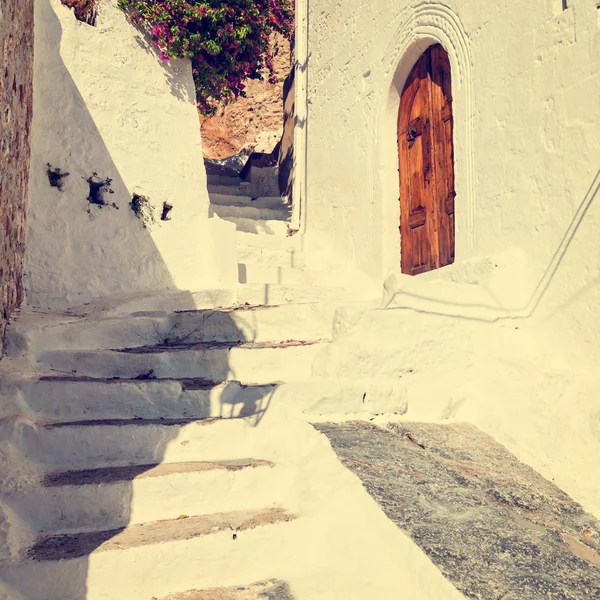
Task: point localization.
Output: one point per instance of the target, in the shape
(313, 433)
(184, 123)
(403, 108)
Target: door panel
(414, 137)
(441, 101)
(426, 165)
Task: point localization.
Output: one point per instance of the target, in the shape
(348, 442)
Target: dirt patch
(254, 122)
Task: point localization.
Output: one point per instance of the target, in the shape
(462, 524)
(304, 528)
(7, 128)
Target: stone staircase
(153, 450)
(254, 205)
(149, 449)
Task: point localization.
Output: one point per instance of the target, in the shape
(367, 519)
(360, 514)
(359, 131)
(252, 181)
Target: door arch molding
(421, 25)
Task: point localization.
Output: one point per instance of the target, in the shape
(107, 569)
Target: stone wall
(16, 98)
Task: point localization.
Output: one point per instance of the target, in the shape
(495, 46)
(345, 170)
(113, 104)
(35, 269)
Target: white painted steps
(125, 457)
(251, 362)
(223, 201)
(229, 212)
(152, 559)
(112, 497)
(215, 181)
(271, 257)
(278, 275)
(251, 206)
(102, 443)
(276, 294)
(278, 227)
(242, 323)
(59, 399)
(68, 546)
(289, 243)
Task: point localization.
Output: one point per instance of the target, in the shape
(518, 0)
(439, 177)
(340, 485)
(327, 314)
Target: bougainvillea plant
(228, 41)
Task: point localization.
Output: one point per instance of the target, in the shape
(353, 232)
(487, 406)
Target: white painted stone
(298, 321)
(267, 256)
(285, 362)
(104, 102)
(266, 274)
(274, 294)
(276, 202)
(271, 242)
(505, 338)
(55, 401)
(98, 507)
(264, 227)
(324, 495)
(526, 145)
(222, 180)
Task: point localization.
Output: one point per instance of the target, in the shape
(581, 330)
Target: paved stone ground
(495, 527)
(264, 590)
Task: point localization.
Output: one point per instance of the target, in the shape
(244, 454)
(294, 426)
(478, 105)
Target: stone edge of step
(69, 546)
(157, 349)
(115, 474)
(276, 589)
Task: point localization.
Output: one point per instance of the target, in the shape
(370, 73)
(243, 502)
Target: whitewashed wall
(104, 102)
(526, 85)
(527, 129)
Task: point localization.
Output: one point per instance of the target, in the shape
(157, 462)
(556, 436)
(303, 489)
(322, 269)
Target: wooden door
(426, 165)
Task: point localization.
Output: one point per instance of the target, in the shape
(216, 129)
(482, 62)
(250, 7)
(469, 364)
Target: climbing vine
(228, 41)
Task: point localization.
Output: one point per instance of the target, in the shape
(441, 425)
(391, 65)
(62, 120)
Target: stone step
(246, 324)
(231, 188)
(268, 202)
(220, 181)
(289, 243)
(59, 399)
(262, 590)
(101, 443)
(267, 274)
(252, 212)
(68, 546)
(154, 559)
(252, 362)
(113, 497)
(275, 294)
(276, 227)
(271, 257)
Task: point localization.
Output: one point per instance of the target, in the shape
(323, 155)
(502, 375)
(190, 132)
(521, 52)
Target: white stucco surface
(508, 335)
(506, 338)
(523, 75)
(104, 102)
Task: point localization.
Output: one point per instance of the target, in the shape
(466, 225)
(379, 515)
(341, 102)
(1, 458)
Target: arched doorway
(426, 162)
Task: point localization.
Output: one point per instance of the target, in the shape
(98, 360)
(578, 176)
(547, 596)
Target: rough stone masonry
(16, 100)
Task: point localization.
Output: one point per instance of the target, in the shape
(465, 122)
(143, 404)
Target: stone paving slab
(74, 545)
(264, 590)
(496, 528)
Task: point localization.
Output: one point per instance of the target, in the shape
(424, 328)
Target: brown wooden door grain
(426, 165)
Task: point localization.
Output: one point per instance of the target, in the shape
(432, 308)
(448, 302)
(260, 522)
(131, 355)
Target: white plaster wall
(526, 85)
(526, 90)
(104, 102)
